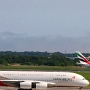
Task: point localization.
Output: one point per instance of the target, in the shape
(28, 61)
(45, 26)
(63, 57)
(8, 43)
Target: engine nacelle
(30, 85)
(41, 85)
(26, 85)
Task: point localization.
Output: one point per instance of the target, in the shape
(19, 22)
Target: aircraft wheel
(80, 88)
(24, 89)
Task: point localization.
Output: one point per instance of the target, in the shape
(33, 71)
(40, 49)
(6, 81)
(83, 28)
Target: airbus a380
(83, 60)
(27, 80)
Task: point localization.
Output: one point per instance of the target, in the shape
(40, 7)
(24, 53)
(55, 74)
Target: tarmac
(12, 88)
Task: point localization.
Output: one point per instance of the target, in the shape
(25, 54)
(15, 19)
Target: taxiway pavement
(11, 88)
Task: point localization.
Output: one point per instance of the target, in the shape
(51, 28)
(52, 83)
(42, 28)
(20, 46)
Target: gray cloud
(41, 25)
(14, 42)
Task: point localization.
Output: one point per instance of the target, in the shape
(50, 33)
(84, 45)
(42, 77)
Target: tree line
(36, 58)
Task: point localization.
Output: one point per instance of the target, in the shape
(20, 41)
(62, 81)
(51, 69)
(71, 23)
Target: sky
(45, 25)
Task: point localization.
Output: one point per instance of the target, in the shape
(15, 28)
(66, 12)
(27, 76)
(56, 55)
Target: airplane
(28, 80)
(83, 60)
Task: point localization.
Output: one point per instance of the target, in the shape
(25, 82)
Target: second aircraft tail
(81, 57)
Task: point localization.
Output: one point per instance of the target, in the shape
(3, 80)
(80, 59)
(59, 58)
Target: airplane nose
(86, 83)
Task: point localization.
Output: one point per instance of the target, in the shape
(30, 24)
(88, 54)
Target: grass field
(44, 68)
(80, 70)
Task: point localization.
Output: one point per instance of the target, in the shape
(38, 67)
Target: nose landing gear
(80, 88)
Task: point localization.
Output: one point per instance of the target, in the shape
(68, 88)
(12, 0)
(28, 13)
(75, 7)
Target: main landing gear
(24, 89)
(80, 88)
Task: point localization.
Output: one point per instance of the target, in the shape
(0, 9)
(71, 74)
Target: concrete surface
(11, 88)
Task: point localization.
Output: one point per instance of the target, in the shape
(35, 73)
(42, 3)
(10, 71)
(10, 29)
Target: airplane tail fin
(80, 56)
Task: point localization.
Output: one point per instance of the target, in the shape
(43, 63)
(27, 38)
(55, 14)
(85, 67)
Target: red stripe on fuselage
(2, 84)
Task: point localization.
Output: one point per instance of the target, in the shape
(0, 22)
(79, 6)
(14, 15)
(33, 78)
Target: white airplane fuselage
(83, 64)
(86, 65)
(45, 79)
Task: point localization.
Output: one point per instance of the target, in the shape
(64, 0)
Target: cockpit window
(83, 79)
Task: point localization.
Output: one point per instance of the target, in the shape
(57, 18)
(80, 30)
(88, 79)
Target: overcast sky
(45, 25)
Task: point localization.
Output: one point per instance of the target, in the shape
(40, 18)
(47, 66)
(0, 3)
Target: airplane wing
(6, 81)
(11, 82)
(19, 83)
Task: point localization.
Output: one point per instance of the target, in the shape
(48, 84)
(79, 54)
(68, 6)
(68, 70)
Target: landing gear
(24, 89)
(80, 88)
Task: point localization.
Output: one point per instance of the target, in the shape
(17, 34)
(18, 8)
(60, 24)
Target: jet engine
(41, 85)
(30, 85)
(26, 85)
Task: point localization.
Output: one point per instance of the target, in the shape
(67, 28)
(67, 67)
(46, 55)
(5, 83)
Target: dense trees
(36, 58)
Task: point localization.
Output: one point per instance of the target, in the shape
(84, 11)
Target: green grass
(46, 68)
